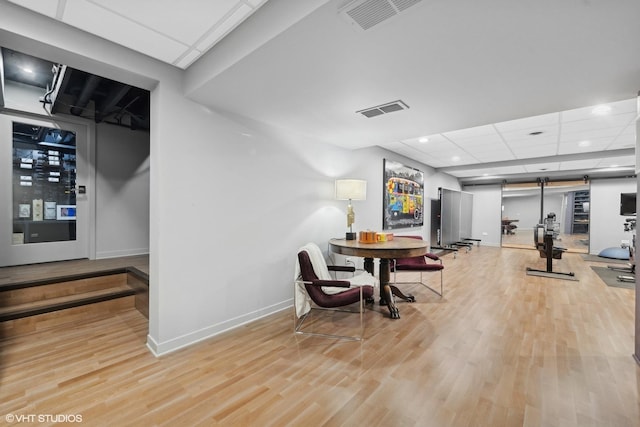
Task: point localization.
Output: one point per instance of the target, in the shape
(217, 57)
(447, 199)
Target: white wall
(487, 213)
(230, 201)
(122, 191)
(253, 201)
(526, 209)
(368, 165)
(605, 223)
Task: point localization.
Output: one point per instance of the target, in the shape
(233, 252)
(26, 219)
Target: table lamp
(351, 189)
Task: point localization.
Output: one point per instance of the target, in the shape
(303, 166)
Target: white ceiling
(570, 140)
(176, 32)
(478, 77)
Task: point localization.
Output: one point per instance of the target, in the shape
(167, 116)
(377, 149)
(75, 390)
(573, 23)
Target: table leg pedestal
(368, 266)
(386, 291)
(406, 297)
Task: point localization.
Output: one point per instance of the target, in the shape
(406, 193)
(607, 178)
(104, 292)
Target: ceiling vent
(387, 108)
(364, 14)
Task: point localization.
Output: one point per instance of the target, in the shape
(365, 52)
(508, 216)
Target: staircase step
(65, 287)
(54, 279)
(48, 305)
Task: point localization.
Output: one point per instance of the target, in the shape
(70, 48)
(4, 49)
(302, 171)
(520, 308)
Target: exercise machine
(543, 235)
(630, 269)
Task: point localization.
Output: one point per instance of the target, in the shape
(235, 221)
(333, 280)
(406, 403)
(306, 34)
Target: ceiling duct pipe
(85, 95)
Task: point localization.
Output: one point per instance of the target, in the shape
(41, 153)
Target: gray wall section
(606, 223)
(526, 209)
(122, 189)
(486, 214)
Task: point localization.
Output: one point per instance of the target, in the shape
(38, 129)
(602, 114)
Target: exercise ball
(615, 253)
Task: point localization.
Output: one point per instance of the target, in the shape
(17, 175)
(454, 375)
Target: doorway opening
(525, 205)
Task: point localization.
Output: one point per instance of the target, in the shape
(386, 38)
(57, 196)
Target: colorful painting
(403, 200)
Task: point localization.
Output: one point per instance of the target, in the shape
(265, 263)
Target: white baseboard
(121, 253)
(162, 348)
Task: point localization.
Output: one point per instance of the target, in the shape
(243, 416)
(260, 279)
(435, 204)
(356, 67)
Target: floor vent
(389, 107)
(368, 13)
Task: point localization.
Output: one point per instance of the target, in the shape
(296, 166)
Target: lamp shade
(351, 189)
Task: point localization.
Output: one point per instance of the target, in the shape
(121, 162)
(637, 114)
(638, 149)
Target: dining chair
(427, 263)
(315, 289)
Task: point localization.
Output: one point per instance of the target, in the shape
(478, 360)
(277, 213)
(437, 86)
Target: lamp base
(350, 236)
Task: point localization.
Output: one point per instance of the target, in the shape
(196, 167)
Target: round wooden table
(399, 247)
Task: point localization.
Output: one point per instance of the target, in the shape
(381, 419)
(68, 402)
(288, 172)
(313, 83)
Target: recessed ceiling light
(538, 132)
(423, 140)
(600, 110)
(584, 143)
(455, 159)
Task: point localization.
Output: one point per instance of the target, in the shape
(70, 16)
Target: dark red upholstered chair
(422, 264)
(317, 290)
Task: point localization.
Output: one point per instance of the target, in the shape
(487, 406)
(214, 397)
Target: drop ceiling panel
(471, 132)
(96, 20)
(533, 141)
(411, 153)
(405, 150)
(574, 148)
(529, 123)
(596, 123)
(432, 139)
(617, 161)
(436, 163)
(170, 31)
(490, 139)
(48, 8)
(485, 147)
(394, 145)
(442, 146)
(631, 128)
(448, 158)
(609, 132)
(176, 21)
(625, 140)
(618, 107)
(548, 132)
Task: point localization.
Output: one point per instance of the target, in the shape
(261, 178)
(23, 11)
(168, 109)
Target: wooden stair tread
(53, 279)
(57, 303)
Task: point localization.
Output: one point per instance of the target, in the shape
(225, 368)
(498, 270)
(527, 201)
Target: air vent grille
(371, 12)
(389, 107)
(368, 13)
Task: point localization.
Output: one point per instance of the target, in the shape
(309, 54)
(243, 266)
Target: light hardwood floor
(523, 238)
(500, 349)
